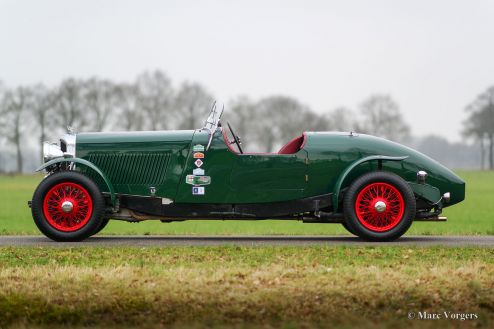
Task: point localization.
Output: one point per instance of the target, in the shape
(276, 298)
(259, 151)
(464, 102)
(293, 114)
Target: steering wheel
(236, 139)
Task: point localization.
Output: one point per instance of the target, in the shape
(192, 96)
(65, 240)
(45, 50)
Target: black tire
(104, 222)
(91, 199)
(404, 207)
(348, 228)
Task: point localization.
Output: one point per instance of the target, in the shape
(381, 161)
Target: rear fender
(348, 170)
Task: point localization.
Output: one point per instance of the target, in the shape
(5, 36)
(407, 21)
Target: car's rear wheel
(379, 206)
(68, 206)
(348, 228)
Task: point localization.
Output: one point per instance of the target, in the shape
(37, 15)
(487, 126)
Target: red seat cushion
(293, 146)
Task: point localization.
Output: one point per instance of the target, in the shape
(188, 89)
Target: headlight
(66, 149)
(67, 144)
(51, 151)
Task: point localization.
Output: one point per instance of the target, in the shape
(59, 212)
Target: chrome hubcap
(380, 206)
(67, 206)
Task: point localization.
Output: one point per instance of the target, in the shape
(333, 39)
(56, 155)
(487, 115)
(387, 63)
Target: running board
(432, 219)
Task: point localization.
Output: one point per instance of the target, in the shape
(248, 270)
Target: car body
(200, 174)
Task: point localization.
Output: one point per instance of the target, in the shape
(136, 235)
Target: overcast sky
(433, 57)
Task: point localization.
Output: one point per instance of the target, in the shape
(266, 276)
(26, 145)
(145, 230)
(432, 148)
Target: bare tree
(192, 102)
(487, 114)
(70, 104)
(341, 119)
(100, 101)
(2, 126)
(382, 117)
(311, 121)
(155, 98)
(273, 121)
(41, 107)
(474, 128)
(12, 108)
(446, 151)
(130, 116)
(242, 116)
(280, 119)
(480, 124)
(267, 131)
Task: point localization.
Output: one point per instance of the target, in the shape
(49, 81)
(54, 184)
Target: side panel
(216, 163)
(269, 177)
(136, 163)
(242, 179)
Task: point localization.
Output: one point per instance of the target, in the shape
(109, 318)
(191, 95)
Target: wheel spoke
(77, 216)
(379, 218)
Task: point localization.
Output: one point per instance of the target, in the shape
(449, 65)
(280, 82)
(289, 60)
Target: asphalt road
(163, 241)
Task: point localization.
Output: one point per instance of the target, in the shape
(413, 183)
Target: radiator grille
(133, 168)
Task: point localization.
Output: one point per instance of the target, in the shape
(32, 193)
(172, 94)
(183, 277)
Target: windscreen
(212, 121)
(214, 117)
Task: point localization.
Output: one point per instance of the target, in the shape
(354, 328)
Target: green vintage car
(373, 187)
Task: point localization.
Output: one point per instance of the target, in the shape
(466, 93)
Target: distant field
(245, 287)
(474, 216)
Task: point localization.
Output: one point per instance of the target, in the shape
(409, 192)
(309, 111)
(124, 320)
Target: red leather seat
(293, 146)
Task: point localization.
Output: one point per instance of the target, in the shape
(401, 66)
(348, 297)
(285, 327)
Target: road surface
(164, 240)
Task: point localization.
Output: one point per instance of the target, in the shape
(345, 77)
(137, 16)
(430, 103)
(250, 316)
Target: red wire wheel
(379, 207)
(67, 207)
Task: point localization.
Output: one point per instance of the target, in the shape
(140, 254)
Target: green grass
(244, 287)
(473, 216)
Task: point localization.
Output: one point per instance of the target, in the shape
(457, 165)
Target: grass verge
(245, 287)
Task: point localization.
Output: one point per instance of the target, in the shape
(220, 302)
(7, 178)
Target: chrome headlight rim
(51, 151)
(69, 140)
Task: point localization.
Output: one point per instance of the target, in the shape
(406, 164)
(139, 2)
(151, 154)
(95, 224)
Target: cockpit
(213, 123)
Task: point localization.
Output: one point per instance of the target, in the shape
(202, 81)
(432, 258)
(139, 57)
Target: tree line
(31, 114)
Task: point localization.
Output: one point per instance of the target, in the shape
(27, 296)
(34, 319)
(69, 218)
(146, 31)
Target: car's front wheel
(379, 206)
(104, 222)
(68, 206)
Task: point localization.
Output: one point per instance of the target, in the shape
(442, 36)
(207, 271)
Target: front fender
(87, 164)
(344, 174)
